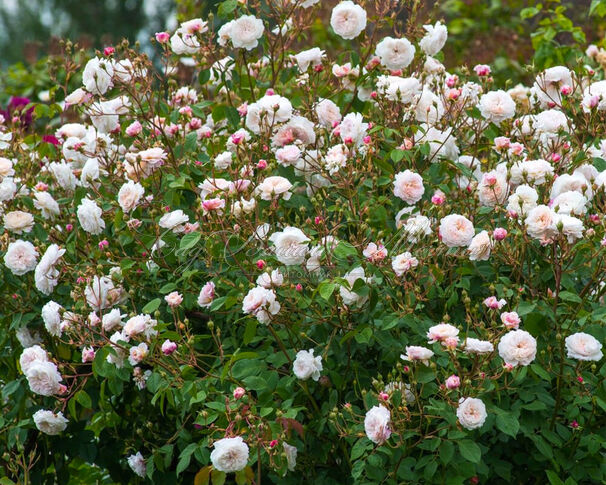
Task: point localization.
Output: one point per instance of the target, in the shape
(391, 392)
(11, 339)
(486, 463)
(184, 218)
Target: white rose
(137, 464)
(306, 365)
(403, 262)
(401, 89)
(518, 347)
(311, 57)
(45, 202)
(471, 412)
(583, 346)
(376, 424)
(89, 215)
(290, 245)
(415, 353)
(43, 378)
(97, 76)
(442, 332)
(328, 112)
(541, 222)
(434, 39)
(18, 222)
(547, 85)
(129, 195)
(348, 20)
(416, 227)
(50, 423)
(51, 317)
(261, 302)
(46, 275)
(395, 53)
(350, 297)
(245, 32)
(21, 257)
(430, 108)
(30, 355)
(532, 171)
(523, 200)
(571, 227)
(475, 346)
(175, 221)
(229, 454)
(497, 106)
(112, 319)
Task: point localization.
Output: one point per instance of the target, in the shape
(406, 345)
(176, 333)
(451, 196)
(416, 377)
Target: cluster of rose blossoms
(542, 197)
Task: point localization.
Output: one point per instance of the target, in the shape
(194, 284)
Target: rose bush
(307, 264)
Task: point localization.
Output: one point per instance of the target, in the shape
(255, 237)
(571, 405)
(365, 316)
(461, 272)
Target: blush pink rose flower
(408, 186)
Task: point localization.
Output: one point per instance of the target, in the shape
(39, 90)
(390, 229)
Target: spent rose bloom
(50, 423)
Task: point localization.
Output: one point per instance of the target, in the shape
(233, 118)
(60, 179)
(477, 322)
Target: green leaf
(250, 331)
(226, 8)
(185, 457)
(553, 478)
(470, 451)
(218, 478)
(326, 289)
(571, 297)
(447, 450)
(152, 306)
(508, 424)
(83, 399)
(539, 371)
(190, 240)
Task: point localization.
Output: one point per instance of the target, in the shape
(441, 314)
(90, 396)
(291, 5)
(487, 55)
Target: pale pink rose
(499, 233)
(453, 382)
(168, 347)
(376, 424)
(348, 20)
(134, 128)
(408, 186)
(441, 332)
(511, 320)
(174, 299)
(374, 252)
(207, 295)
(471, 413)
(88, 354)
(239, 392)
(415, 353)
(456, 230)
(518, 347)
(494, 304)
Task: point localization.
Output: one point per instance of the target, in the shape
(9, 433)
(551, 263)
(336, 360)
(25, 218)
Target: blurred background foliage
(503, 33)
